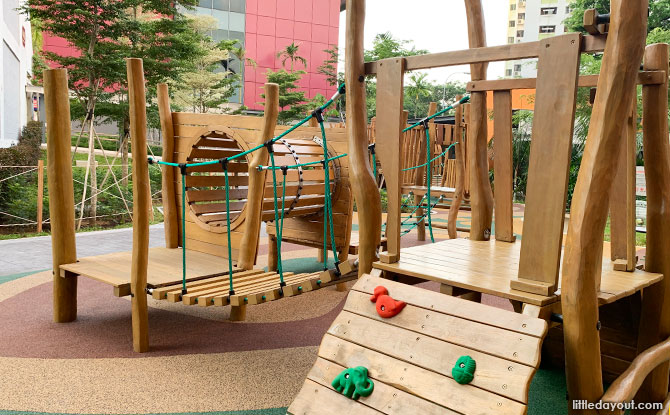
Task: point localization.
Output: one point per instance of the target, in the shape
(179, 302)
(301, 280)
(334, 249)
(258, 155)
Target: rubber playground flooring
(199, 363)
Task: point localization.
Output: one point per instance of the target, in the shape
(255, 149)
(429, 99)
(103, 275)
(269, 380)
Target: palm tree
(418, 88)
(291, 53)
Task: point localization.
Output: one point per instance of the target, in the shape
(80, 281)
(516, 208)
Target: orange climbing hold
(387, 307)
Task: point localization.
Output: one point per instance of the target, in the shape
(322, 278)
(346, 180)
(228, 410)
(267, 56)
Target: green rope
(183, 230)
(374, 164)
(328, 208)
(429, 180)
(295, 166)
(437, 114)
(230, 253)
(278, 235)
(433, 159)
(421, 219)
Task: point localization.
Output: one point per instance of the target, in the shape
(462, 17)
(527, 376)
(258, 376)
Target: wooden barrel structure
(205, 185)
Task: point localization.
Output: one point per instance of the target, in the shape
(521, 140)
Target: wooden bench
(410, 356)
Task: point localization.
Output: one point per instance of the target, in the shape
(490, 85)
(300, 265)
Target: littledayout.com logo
(616, 406)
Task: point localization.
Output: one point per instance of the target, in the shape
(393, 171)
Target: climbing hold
(353, 382)
(387, 307)
(464, 370)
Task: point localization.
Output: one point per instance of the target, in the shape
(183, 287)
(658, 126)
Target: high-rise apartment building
(532, 20)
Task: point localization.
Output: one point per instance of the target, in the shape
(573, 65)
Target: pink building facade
(271, 25)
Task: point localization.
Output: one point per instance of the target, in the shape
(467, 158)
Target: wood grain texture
(549, 164)
(170, 219)
(481, 196)
(142, 202)
(503, 170)
(655, 317)
(588, 214)
(366, 194)
(250, 240)
(389, 132)
(626, 386)
(61, 192)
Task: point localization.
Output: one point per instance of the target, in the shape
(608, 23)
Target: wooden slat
(503, 169)
(550, 153)
(420, 382)
(210, 181)
(314, 398)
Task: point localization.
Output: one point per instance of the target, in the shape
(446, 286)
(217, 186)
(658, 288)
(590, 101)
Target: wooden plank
(503, 169)
(314, 398)
(550, 154)
(385, 398)
(238, 121)
(495, 341)
(431, 300)
(170, 220)
(423, 383)
(584, 81)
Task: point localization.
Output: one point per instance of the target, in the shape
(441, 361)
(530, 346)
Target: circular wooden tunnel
(205, 185)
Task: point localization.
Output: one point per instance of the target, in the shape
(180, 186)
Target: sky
(435, 25)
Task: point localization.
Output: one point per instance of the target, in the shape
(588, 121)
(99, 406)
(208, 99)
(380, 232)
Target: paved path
(33, 254)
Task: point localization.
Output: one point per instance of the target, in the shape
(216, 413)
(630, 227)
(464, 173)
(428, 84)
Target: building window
(546, 11)
(512, 23)
(547, 29)
(568, 9)
(521, 16)
(512, 7)
(510, 40)
(517, 68)
(519, 33)
(508, 72)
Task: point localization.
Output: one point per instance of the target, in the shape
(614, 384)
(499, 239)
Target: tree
(419, 88)
(204, 88)
(292, 101)
(659, 13)
(290, 52)
(329, 66)
(386, 46)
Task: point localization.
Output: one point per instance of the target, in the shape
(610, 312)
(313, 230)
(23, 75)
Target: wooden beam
(40, 193)
(582, 261)
(250, 239)
(389, 132)
(61, 192)
(527, 50)
(481, 196)
(459, 190)
(366, 194)
(655, 319)
(585, 81)
(503, 169)
(170, 217)
(142, 201)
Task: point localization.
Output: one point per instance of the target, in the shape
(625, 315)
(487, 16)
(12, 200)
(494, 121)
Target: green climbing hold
(353, 382)
(464, 370)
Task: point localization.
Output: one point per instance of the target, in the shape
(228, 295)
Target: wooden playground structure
(574, 285)
(223, 206)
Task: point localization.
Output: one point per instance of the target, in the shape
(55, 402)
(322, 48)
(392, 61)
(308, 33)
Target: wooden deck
(488, 267)
(165, 268)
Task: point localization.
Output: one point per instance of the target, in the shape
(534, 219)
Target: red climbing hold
(387, 307)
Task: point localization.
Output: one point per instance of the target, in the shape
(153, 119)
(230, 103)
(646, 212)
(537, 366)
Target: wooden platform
(488, 267)
(251, 287)
(165, 268)
(355, 243)
(434, 190)
(410, 357)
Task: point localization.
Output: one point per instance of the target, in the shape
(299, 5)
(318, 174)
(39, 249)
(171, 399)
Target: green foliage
(329, 66)
(386, 46)
(292, 101)
(290, 53)
(659, 13)
(418, 88)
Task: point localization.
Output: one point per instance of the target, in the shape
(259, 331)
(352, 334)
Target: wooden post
(459, 189)
(549, 164)
(390, 117)
(170, 216)
(481, 196)
(655, 319)
(503, 170)
(142, 201)
(421, 177)
(366, 194)
(582, 259)
(61, 194)
(622, 200)
(40, 193)
(249, 244)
